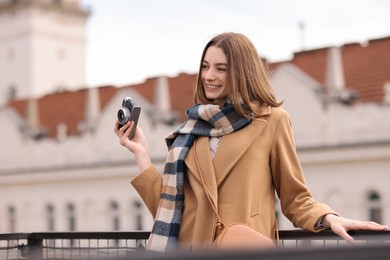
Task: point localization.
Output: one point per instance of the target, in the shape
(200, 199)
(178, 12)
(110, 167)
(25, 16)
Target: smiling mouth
(214, 86)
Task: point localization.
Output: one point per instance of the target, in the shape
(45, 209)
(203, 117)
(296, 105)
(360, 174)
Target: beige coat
(250, 164)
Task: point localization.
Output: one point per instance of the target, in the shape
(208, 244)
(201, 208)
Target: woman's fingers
(127, 129)
(122, 129)
(123, 132)
(116, 125)
(341, 226)
(342, 232)
(375, 226)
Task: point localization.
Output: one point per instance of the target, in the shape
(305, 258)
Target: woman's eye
(222, 69)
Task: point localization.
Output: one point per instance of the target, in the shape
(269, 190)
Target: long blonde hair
(247, 76)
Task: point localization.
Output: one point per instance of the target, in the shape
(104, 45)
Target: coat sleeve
(297, 203)
(148, 185)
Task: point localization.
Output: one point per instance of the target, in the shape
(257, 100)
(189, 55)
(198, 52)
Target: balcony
(293, 244)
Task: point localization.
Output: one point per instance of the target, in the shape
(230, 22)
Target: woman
(240, 139)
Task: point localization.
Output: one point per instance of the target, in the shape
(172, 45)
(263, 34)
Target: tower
(42, 47)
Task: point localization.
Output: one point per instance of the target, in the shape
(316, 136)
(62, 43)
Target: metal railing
(293, 244)
(71, 245)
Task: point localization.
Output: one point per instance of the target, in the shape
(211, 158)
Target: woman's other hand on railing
(341, 226)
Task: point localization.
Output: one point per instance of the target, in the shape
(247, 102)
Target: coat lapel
(202, 150)
(230, 150)
(233, 146)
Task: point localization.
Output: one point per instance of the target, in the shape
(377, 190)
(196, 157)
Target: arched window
(115, 218)
(50, 216)
(12, 219)
(71, 213)
(138, 216)
(374, 206)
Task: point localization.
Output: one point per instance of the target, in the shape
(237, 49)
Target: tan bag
(236, 236)
(239, 236)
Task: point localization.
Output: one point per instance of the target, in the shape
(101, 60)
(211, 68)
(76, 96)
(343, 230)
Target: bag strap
(220, 224)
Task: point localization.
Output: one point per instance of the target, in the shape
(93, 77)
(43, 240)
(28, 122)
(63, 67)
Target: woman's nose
(210, 75)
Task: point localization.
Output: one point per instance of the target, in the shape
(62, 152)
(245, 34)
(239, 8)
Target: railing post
(34, 248)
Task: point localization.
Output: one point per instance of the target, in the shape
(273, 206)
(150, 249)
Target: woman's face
(214, 69)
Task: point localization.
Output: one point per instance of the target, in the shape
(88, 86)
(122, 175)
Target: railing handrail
(91, 235)
(330, 235)
(14, 236)
(294, 234)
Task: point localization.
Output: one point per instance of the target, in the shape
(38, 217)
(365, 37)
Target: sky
(129, 41)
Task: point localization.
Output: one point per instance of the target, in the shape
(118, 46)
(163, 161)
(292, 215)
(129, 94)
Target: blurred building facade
(42, 42)
(62, 168)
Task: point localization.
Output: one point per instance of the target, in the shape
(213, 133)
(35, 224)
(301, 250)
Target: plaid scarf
(203, 120)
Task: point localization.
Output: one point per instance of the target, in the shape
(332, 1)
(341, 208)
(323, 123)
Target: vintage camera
(129, 111)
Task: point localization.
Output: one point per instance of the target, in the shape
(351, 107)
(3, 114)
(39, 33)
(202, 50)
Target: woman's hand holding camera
(137, 145)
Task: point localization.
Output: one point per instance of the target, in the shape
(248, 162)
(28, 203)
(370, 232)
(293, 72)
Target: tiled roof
(182, 92)
(62, 108)
(69, 107)
(366, 69)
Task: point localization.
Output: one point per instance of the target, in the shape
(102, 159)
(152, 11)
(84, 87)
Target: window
(374, 207)
(137, 209)
(115, 219)
(12, 92)
(71, 212)
(12, 219)
(50, 217)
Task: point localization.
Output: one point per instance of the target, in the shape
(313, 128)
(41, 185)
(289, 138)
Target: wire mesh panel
(72, 245)
(11, 245)
(306, 239)
(9, 249)
(129, 245)
(90, 248)
(91, 245)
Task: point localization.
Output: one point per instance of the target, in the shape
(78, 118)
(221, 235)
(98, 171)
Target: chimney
(162, 98)
(62, 130)
(32, 113)
(32, 117)
(334, 80)
(386, 98)
(32, 128)
(92, 109)
(163, 111)
(334, 72)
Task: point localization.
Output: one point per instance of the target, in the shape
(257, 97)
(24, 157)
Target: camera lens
(123, 116)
